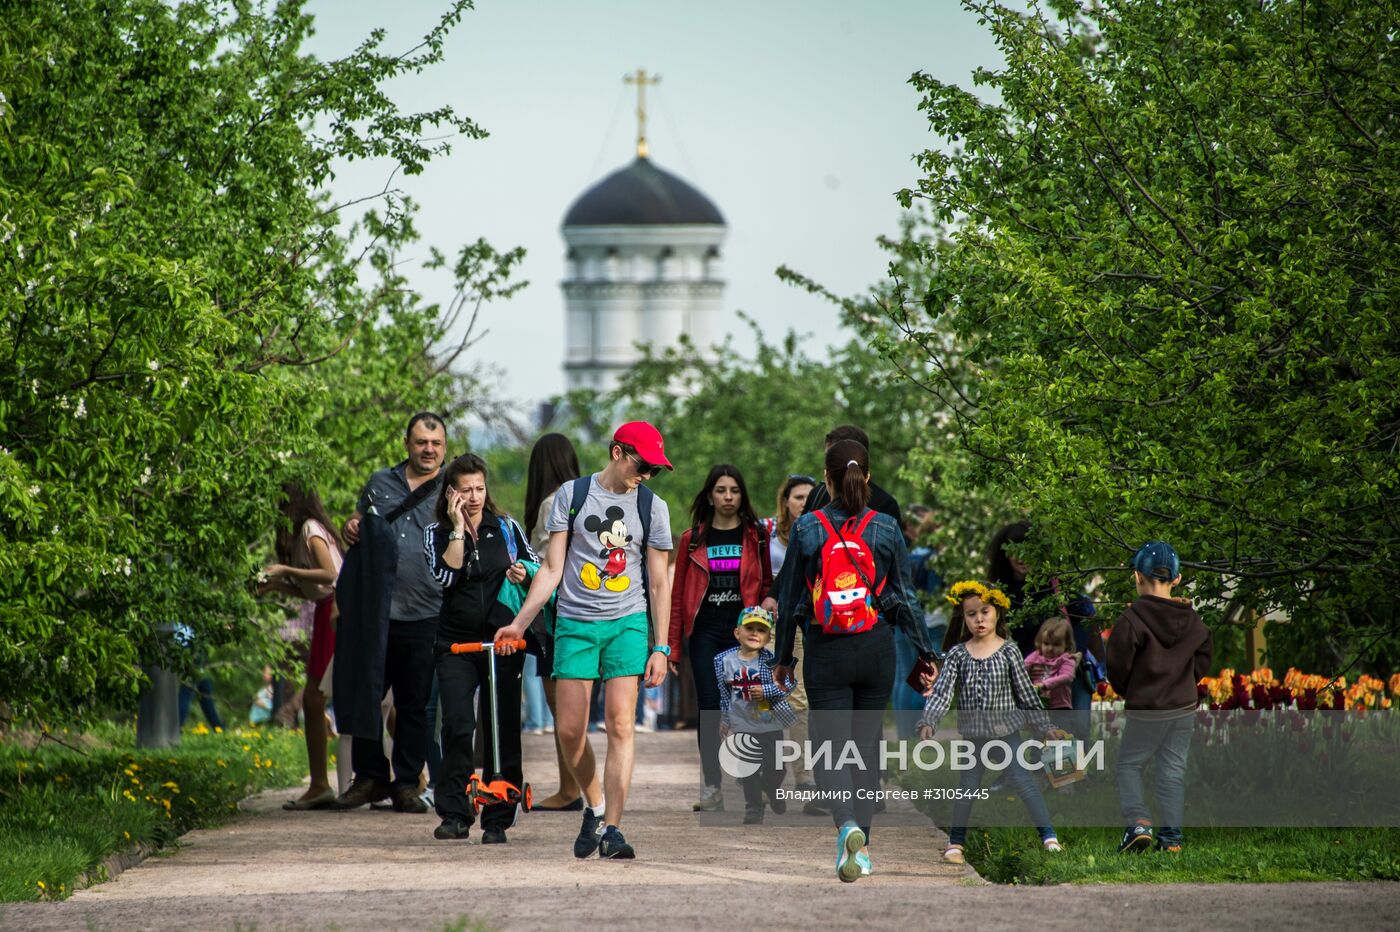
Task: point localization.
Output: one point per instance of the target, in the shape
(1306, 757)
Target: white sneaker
(711, 800)
(427, 797)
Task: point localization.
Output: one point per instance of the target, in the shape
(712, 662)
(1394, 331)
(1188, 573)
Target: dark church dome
(641, 194)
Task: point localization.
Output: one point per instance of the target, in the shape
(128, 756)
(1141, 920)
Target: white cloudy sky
(794, 116)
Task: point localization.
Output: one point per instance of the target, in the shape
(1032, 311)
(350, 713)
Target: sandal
(321, 800)
(954, 855)
(1052, 844)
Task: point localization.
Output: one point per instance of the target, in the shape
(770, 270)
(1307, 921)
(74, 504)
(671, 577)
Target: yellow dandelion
(171, 785)
(41, 885)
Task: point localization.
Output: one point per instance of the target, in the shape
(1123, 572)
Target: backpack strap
(859, 531)
(645, 496)
(580, 498)
(510, 527)
(411, 501)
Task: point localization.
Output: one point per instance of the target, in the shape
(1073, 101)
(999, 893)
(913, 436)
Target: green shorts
(602, 649)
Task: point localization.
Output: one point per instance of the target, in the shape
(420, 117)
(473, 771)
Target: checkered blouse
(995, 695)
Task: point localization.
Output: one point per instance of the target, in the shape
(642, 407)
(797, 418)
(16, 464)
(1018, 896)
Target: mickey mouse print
(603, 571)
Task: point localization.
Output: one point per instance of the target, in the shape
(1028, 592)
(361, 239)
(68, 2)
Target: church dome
(642, 194)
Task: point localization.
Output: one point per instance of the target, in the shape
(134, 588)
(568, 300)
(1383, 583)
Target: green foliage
(66, 809)
(1170, 266)
(1211, 855)
(184, 320)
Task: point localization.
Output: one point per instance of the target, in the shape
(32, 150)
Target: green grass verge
(63, 811)
(1211, 855)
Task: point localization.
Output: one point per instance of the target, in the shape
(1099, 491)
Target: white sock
(598, 809)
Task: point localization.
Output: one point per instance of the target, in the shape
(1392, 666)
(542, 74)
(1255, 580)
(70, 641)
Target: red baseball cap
(646, 440)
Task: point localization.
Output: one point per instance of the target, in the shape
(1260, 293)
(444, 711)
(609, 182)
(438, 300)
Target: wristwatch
(663, 649)
(457, 535)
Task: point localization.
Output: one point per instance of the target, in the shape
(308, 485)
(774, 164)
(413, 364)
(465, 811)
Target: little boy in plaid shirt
(754, 710)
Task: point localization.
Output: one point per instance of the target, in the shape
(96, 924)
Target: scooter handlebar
(477, 647)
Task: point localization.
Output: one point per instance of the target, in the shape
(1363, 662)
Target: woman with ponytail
(850, 590)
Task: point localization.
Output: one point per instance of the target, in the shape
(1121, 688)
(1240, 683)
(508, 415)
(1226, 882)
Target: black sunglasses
(644, 469)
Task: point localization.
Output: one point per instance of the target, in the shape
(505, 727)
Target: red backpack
(843, 597)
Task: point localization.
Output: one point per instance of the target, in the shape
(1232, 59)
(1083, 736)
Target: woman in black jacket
(469, 548)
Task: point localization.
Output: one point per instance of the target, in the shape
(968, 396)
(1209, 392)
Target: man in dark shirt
(880, 500)
(413, 615)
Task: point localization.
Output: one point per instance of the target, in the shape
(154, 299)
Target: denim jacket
(898, 602)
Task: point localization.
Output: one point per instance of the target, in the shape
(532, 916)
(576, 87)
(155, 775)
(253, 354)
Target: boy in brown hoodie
(1159, 649)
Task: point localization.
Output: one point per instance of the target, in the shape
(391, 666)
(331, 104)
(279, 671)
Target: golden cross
(642, 79)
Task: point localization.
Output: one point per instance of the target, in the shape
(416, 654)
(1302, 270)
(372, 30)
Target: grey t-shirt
(603, 571)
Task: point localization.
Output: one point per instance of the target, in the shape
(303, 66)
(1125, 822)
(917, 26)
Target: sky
(795, 117)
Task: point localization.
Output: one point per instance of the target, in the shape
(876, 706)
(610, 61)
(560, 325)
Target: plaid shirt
(995, 696)
(759, 672)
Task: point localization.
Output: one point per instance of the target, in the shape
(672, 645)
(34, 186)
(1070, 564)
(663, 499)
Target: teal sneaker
(863, 860)
(849, 840)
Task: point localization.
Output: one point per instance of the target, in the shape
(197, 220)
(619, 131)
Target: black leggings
(705, 644)
(459, 675)
(849, 679)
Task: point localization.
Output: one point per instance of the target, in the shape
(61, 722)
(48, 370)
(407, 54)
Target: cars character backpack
(843, 595)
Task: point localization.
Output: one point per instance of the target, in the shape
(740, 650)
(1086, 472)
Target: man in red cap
(609, 537)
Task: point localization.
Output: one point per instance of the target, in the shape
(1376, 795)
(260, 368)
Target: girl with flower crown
(986, 672)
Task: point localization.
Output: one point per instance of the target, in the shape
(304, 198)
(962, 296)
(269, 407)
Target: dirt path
(272, 869)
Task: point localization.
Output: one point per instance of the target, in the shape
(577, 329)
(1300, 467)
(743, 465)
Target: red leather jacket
(692, 578)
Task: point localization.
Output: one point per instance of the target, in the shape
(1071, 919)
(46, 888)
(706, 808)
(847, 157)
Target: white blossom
(81, 410)
(127, 568)
(19, 248)
(33, 491)
(64, 403)
(146, 475)
(184, 383)
(35, 385)
(153, 365)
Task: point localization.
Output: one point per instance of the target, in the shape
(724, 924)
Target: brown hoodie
(1158, 651)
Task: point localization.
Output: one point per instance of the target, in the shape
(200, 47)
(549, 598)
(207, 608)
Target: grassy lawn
(62, 811)
(1211, 855)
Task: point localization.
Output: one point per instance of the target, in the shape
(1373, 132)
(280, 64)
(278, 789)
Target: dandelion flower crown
(968, 587)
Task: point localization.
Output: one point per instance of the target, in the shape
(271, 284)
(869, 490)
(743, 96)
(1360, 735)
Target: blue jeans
(537, 713)
(1021, 781)
(205, 691)
(1167, 743)
(908, 705)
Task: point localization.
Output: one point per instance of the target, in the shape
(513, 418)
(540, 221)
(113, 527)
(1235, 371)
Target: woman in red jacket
(722, 565)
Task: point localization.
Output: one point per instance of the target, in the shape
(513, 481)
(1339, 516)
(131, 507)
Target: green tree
(1172, 262)
(183, 320)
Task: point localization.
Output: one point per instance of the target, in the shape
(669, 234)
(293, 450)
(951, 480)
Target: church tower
(643, 265)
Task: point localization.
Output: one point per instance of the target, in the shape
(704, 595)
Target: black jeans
(770, 772)
(705, 644)
(408, 671)
(458, 677)
(851, 673)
